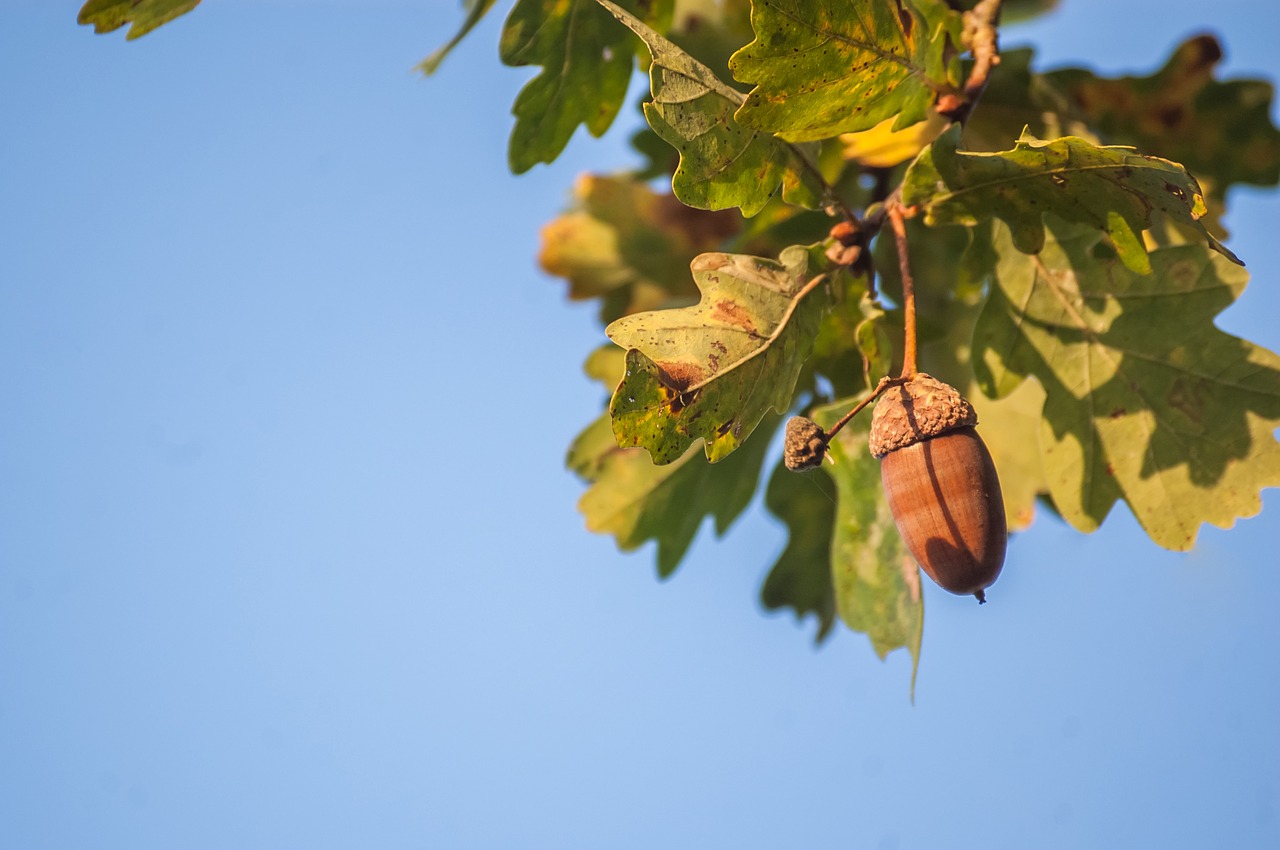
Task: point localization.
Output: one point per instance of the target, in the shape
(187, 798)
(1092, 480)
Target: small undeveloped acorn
(805, 444)
(940, 483)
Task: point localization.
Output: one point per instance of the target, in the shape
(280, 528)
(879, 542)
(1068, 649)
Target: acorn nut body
(941, 484)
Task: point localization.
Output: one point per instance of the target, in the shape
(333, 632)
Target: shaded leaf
(801, 577)
(713, 370)
(1018, 100)
(476, 9)
(1114, 189)
(877, 584)
(1147, 400)
(630, 246)
(722, 163)
(1220, 130)
(636, 501)
(143, 15)
(1016, 11)
(821, 69)
(586, 64)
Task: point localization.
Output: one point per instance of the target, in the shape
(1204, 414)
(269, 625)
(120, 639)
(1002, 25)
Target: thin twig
(908, 291)
(884, 384)
(980, 26)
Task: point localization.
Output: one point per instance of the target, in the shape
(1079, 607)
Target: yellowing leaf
(1114, 189)
(1146, 400)
(821, 69)
(713, 370)
(630, 246)
(884, 147)
(144, 15)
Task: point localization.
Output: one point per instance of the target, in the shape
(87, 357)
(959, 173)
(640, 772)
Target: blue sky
(288, 555)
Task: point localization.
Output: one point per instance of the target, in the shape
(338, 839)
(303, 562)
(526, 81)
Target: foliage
(1063, 236)
(142, 15)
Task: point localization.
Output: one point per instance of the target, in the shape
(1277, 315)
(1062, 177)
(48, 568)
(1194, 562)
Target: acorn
(940, 483)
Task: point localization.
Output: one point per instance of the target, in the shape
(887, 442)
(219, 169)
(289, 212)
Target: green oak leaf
(801, 577)
(629, 245)
(143, 15)
(821, 69)
(1146, 400)
(635, 500)
(476, 9)
(711, 371)
(586, 64)
(722, 163)
(1220, 130)
(1111, 188)
(877, 584)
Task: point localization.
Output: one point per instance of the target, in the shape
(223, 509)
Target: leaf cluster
(1065, 243)
(1062, 257)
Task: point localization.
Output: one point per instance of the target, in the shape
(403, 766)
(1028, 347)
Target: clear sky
(289, 558)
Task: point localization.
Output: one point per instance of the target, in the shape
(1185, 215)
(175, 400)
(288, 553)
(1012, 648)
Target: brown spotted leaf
(713, 370)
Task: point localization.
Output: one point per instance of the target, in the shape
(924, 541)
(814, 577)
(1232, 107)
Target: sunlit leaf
(630, 246)
(1113, 189)
(713, 370)
(635, 500)
(722, 163)
(143, 15)
(821, 69)
(1146, 400)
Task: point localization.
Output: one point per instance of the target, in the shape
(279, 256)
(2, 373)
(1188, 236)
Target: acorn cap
(922, 408)
(805, 445)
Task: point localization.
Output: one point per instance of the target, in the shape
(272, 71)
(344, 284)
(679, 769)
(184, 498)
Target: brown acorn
(940, 483)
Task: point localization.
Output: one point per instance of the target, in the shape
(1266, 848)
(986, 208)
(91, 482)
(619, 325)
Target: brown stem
(884, 384)
(980, 27)
(980, 36)
(908, 292)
